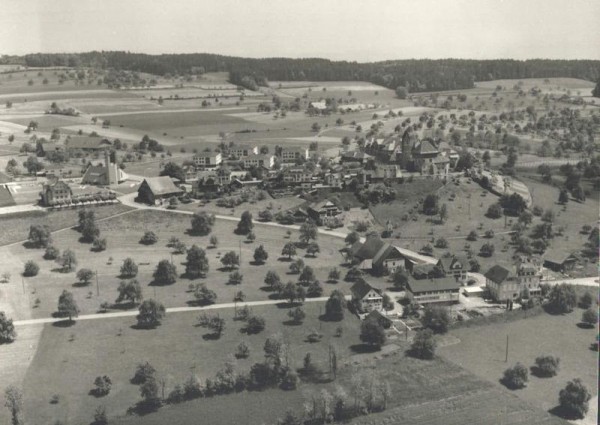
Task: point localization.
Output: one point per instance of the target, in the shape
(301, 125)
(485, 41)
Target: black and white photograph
(299, 212)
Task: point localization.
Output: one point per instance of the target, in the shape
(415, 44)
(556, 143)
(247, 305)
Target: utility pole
(23, 284)
(506, 357)
(240, 252)
(97, 285)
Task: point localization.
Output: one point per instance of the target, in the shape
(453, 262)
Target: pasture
(481, 349)
(123, 234)
(69, 358)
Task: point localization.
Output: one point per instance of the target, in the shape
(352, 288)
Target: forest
(417, 75)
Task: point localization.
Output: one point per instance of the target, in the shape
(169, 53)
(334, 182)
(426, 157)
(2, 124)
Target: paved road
(582, 281)
(130, 313)
(166, 111)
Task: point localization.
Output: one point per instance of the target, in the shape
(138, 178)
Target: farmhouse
(321, 210)
(56, 192)
(207, 160)
(154, 189)
(265, 161)
(291, 155)
(559, 260)
(378, 317)
(239, 151)
(319, 106)
(365, 297)
(428, 291)
(454, 266)
(375, 254)
(87, 143)
(427, 159)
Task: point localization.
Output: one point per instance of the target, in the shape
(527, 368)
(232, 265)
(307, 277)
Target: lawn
(123, 234)
(69, 358)
(481, 349)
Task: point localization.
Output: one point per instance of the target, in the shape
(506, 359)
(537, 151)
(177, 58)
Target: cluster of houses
(437, 283)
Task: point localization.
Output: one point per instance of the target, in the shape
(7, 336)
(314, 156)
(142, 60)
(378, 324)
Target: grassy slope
(176, 349)
(482, 350)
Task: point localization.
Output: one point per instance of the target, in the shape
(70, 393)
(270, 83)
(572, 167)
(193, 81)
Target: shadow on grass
(143, 408)
(197, 303)
(66, 323)
(325, 318)
(292, 323)
(123, 306)
(285, 259)
(139, 327)
(80, 284)
(287, 305)
(257, 263)
(584, 325)
(364, 348)
(564, 413)
(211, 336)
(510, 385)
(155, 283)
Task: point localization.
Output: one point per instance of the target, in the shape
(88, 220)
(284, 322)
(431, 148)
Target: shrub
(423, 346)
(574, 399)
(441, 243)
(242, 351)
(143, 372)
(516, 377)
(254, 324)
(590, 317)
(51, 253)
(437, 319)
(547, 365)
(149, 238)
(562, 298)
(31, 268)
(102, 386)
(586, 300)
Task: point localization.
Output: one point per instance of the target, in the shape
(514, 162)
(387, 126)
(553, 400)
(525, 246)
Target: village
(200, 238)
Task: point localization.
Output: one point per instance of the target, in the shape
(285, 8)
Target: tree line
(416, 75)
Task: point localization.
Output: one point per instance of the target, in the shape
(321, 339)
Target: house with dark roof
(378, 317)
(154, 190)
(560, 260)
(509, 284)
(321, 210)
(365, 297)
(87, 143)
(428, 291)
(357, 157)
(56, 192)
(454, 266)
(375, 254)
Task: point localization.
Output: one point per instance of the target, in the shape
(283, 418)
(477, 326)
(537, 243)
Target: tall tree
(197, 263)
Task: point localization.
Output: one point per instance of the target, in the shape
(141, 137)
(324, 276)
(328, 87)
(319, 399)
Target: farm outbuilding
(154, 189)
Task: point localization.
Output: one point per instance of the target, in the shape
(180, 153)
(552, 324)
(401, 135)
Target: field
(123, 234)
(176, 349)
(482, 350)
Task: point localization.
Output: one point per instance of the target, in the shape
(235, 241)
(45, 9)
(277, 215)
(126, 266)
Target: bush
(437, 319)
(562, 299)
(149, 238)
(516, 377)
(586, 300)
(102, 386)
(494, 211)
(441, 243)
(51, 253)
(574, 398)
(143, 372)
(547, 365)
(590, 317)
(254, 324)
(242, 351)
(423, 346)
(31, 269)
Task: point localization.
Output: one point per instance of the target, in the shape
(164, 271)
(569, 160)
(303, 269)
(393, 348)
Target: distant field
(482, 349)
(183, 123)
(568, 83)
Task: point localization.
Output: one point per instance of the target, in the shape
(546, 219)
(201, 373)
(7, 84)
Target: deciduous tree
(151, 313)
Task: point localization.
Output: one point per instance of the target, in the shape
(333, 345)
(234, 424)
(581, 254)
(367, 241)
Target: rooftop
(428, 285)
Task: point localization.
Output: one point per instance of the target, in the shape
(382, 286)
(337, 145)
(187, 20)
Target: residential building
(240, 151)
(319, 106)
(291, 155)
(321, 210)
(375, 254)
(256, 160)
(509, 284)
(428, 291)
(154, 190)
(207, 160)
(454, 266)
(56, 192)
(365, 297)
(355, 156)
(296, 176)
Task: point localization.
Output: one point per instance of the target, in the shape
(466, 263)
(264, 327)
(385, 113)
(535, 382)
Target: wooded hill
(417, 75)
